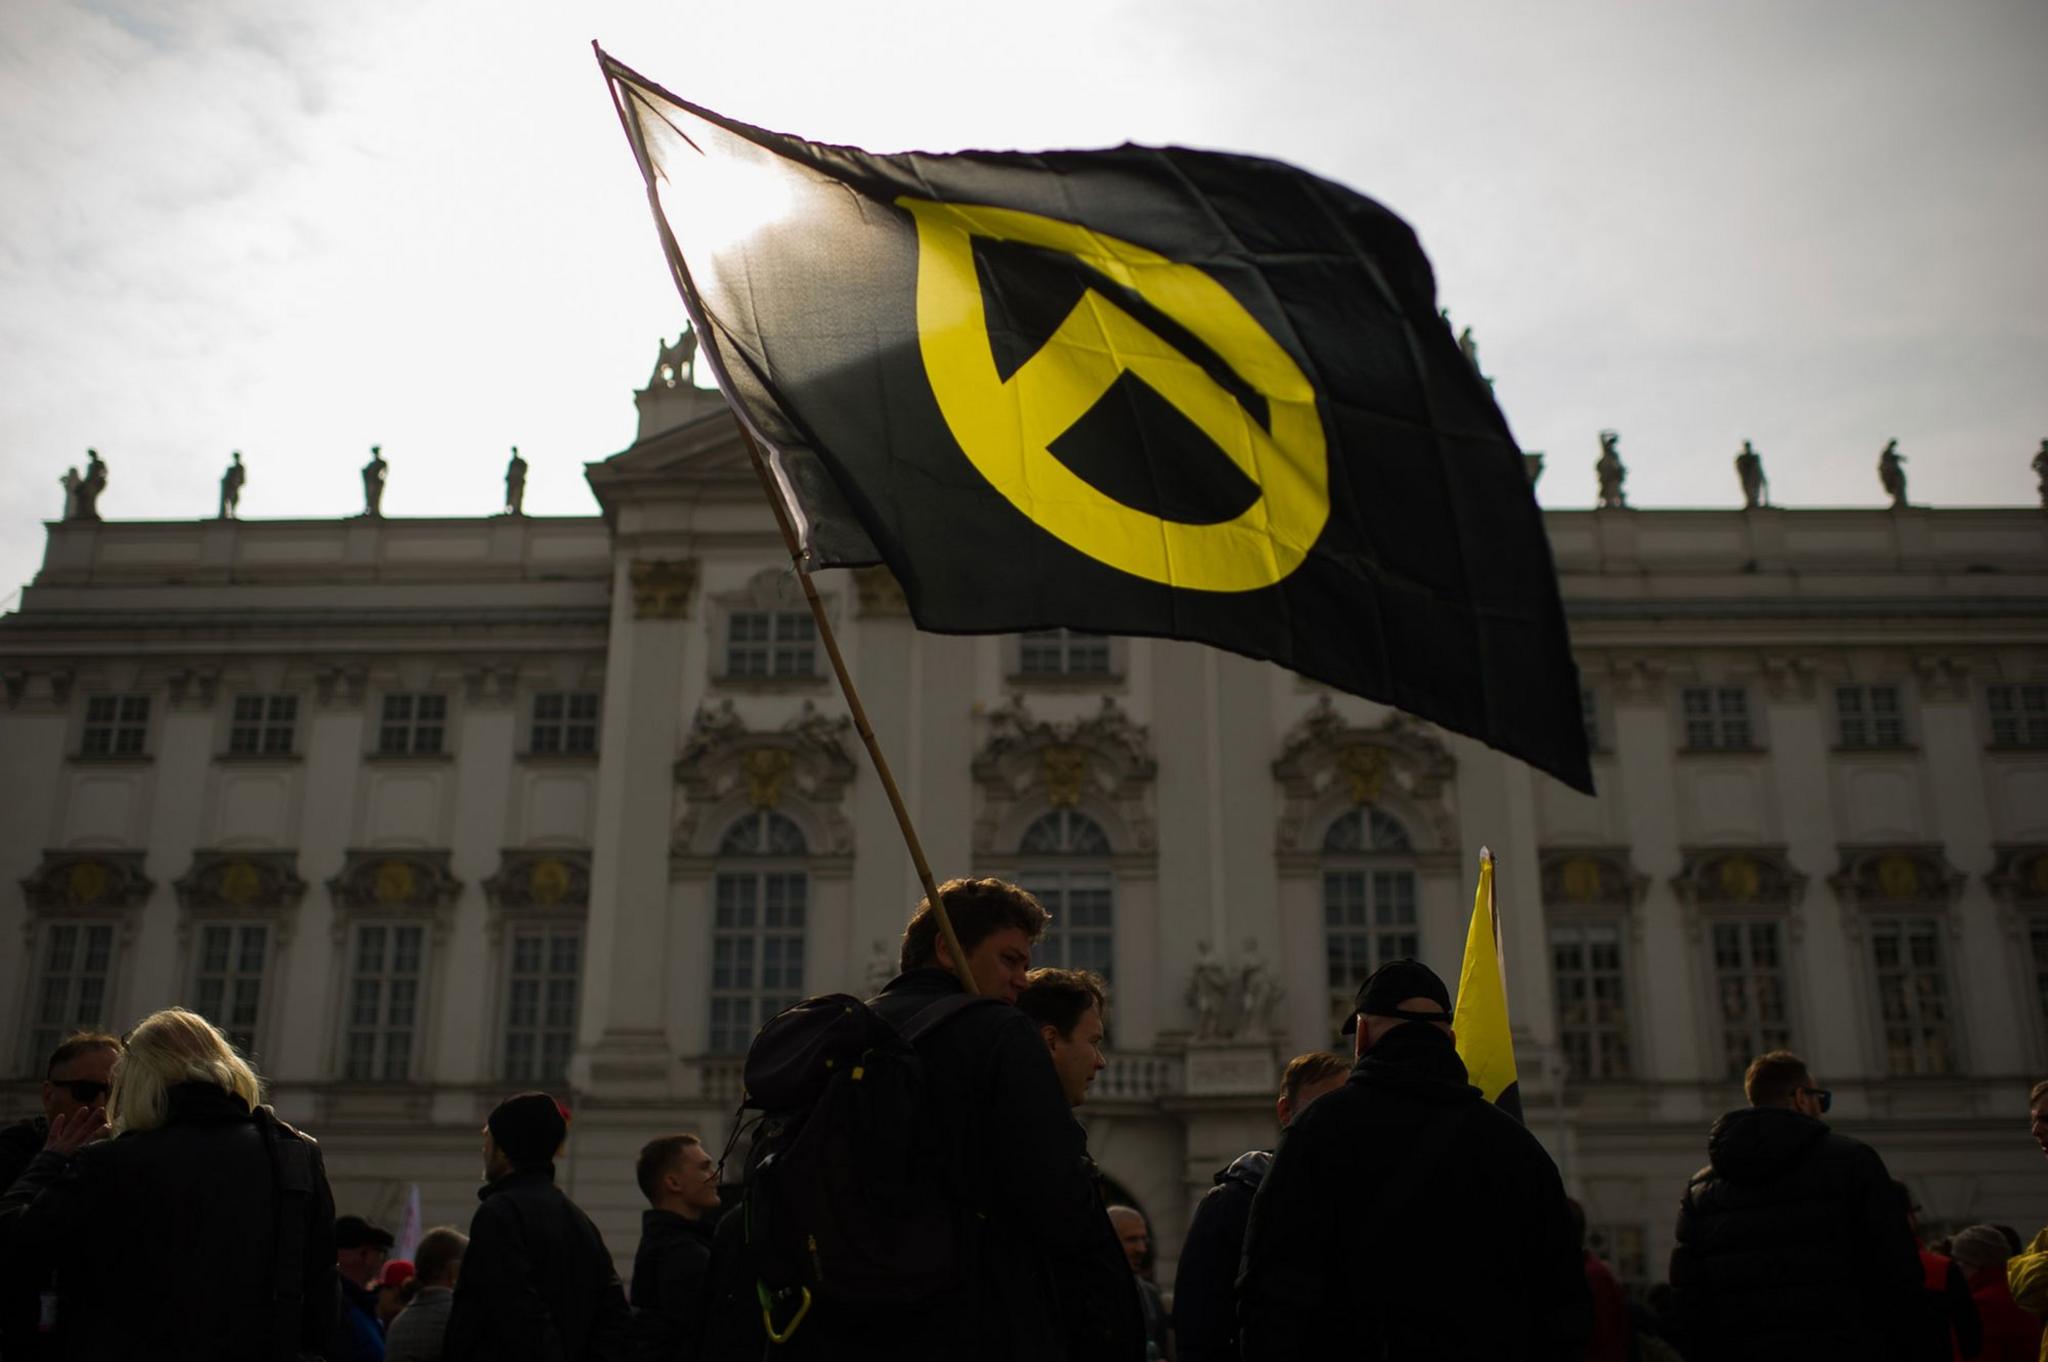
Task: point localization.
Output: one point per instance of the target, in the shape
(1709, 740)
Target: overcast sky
(298, 229)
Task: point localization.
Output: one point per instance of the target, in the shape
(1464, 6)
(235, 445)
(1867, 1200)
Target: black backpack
(841, 1200)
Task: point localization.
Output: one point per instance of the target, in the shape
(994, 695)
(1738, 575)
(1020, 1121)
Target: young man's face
(90, 1074)
(1077, 1057)
(1000, 963)
(696, 1180)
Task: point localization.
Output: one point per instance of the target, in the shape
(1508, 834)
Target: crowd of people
(916, 1186)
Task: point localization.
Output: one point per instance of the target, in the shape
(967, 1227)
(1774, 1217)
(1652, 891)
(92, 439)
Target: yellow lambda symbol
(1006, 426)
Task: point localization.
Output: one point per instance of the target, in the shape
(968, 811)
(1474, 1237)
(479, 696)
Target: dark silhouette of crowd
(910, 1180)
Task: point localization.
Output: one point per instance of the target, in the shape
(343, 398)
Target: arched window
(1368, 901)
(1063, 859)
(757, 926)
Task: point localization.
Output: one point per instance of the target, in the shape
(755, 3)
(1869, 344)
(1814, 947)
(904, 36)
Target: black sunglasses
(83, 1090)
(1827, 1098)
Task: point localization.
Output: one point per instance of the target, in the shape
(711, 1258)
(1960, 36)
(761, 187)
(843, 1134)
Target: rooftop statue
(1891, 472)
(515, 484)
(1756, 488)
(1611, 472)
(82, 495)
(71, 483)
(374, 473)
(231, 487)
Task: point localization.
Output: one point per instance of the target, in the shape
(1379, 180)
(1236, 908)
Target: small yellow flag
(1481, 1018)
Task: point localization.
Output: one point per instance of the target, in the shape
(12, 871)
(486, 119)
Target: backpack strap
(291, 1167)
(933, 1015)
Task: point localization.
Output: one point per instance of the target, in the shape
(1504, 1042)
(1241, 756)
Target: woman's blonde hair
(172, 1047)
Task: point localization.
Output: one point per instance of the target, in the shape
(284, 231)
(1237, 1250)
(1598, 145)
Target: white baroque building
(426, 811)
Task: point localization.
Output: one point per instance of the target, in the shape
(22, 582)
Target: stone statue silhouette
(1259, 992)
(1611, 472)
(71, 484)
(1891, 472)
(2041, 473)
(515, 484)
(87, 501)
(374, 473)
(1209, 994)
(231, 487)
(1756, 488)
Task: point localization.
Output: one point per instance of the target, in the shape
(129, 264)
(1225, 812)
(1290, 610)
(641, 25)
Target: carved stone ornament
(340, 686)
(1789, 677)
(1943, 678)
(726, 764)
(241, 882)
(662, 587)
(1325, 759)
(1591, 877)
(1897, 877)
(2020, 876)
(879, 592)
(193, 687)
(490, 684)
(86, 881)
(1103, 759)
(542, 880)
(397, 881)
(1739, 877)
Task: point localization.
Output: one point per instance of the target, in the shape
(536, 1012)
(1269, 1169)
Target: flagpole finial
(1485, 855)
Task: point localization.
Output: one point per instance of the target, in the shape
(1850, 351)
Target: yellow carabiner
(788, 1331)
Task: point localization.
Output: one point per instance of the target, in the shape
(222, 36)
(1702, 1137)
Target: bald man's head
(1132, 1233)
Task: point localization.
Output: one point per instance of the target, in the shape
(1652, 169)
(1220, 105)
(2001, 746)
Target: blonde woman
(202, 1229)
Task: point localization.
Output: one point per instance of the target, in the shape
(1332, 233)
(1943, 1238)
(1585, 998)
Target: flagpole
(859, 712)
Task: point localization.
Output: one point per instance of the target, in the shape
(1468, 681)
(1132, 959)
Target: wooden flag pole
(859, 712)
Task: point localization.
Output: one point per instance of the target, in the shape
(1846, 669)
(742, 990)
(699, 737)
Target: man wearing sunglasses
(1790, 1241)
(77, 1078)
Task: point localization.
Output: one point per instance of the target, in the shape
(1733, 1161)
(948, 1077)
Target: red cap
(397, 1272)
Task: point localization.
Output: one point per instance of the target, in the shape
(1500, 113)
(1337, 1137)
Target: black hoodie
(1792, 1245)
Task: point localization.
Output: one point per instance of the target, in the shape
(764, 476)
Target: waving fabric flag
(1134, 391)
(1481, 1019)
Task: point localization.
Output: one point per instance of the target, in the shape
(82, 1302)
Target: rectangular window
(1912, 994)
(757, 953)
(227, 982)
(564, 721)
(2019, 715)
(1869, 716)
(1083, 932)
(413, 725)
(1749, 985)
(1368, 919)
(1589, 714)
(115, 726)
(1592, 1015)
(1716, 718)
(1062, 652)
(765, 643)
(540, 1004)
(264, 725)
(71, 990)
(383, 1002)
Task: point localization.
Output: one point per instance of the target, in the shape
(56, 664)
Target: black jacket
(670, 1279)
(1205, 1286)
(537, 1281)
(20, 1290)
(165, 1241)
(1792, 1244)
(1407, 1217)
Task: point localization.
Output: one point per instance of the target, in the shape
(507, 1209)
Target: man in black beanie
(1407, 1216)
(537, 1281)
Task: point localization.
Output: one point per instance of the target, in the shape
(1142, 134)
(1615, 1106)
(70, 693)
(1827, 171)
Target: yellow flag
(1481, 1018)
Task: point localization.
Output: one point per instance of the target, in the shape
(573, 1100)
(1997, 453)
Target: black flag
(1136, 391)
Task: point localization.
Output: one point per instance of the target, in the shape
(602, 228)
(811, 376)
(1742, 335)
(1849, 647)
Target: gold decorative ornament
(765, 769)
(394, 882)
(549, 882)
(1365, 768)
(1581, 879)
(88, 882)
(240, 883)
(1740, 879)
(1898, 877)
(1065, 771)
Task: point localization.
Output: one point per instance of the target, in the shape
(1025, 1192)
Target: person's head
(1908, 1204)
(360, 1248)
(393, 1289)
(438, 1259)
(1980, 1251)
(1132, 1233)
(80, 1074)
(1780, 1079)
(523, 1134)
(997, 924)
(1398, 993)
(2037, 1114)
(1069, 1006)
(172, 1047)
(677, 1174)
(1308, 1077)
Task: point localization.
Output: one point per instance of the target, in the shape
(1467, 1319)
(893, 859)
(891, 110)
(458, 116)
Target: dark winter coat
(165, 1241)
(670, 1281)
(356, 1335)
(537, 1283)
(20, 1290)
(1792, 1244)
(1405, 1216)
(1205, 1286)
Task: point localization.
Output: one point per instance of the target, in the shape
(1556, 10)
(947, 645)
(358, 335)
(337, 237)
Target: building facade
(426, 811)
